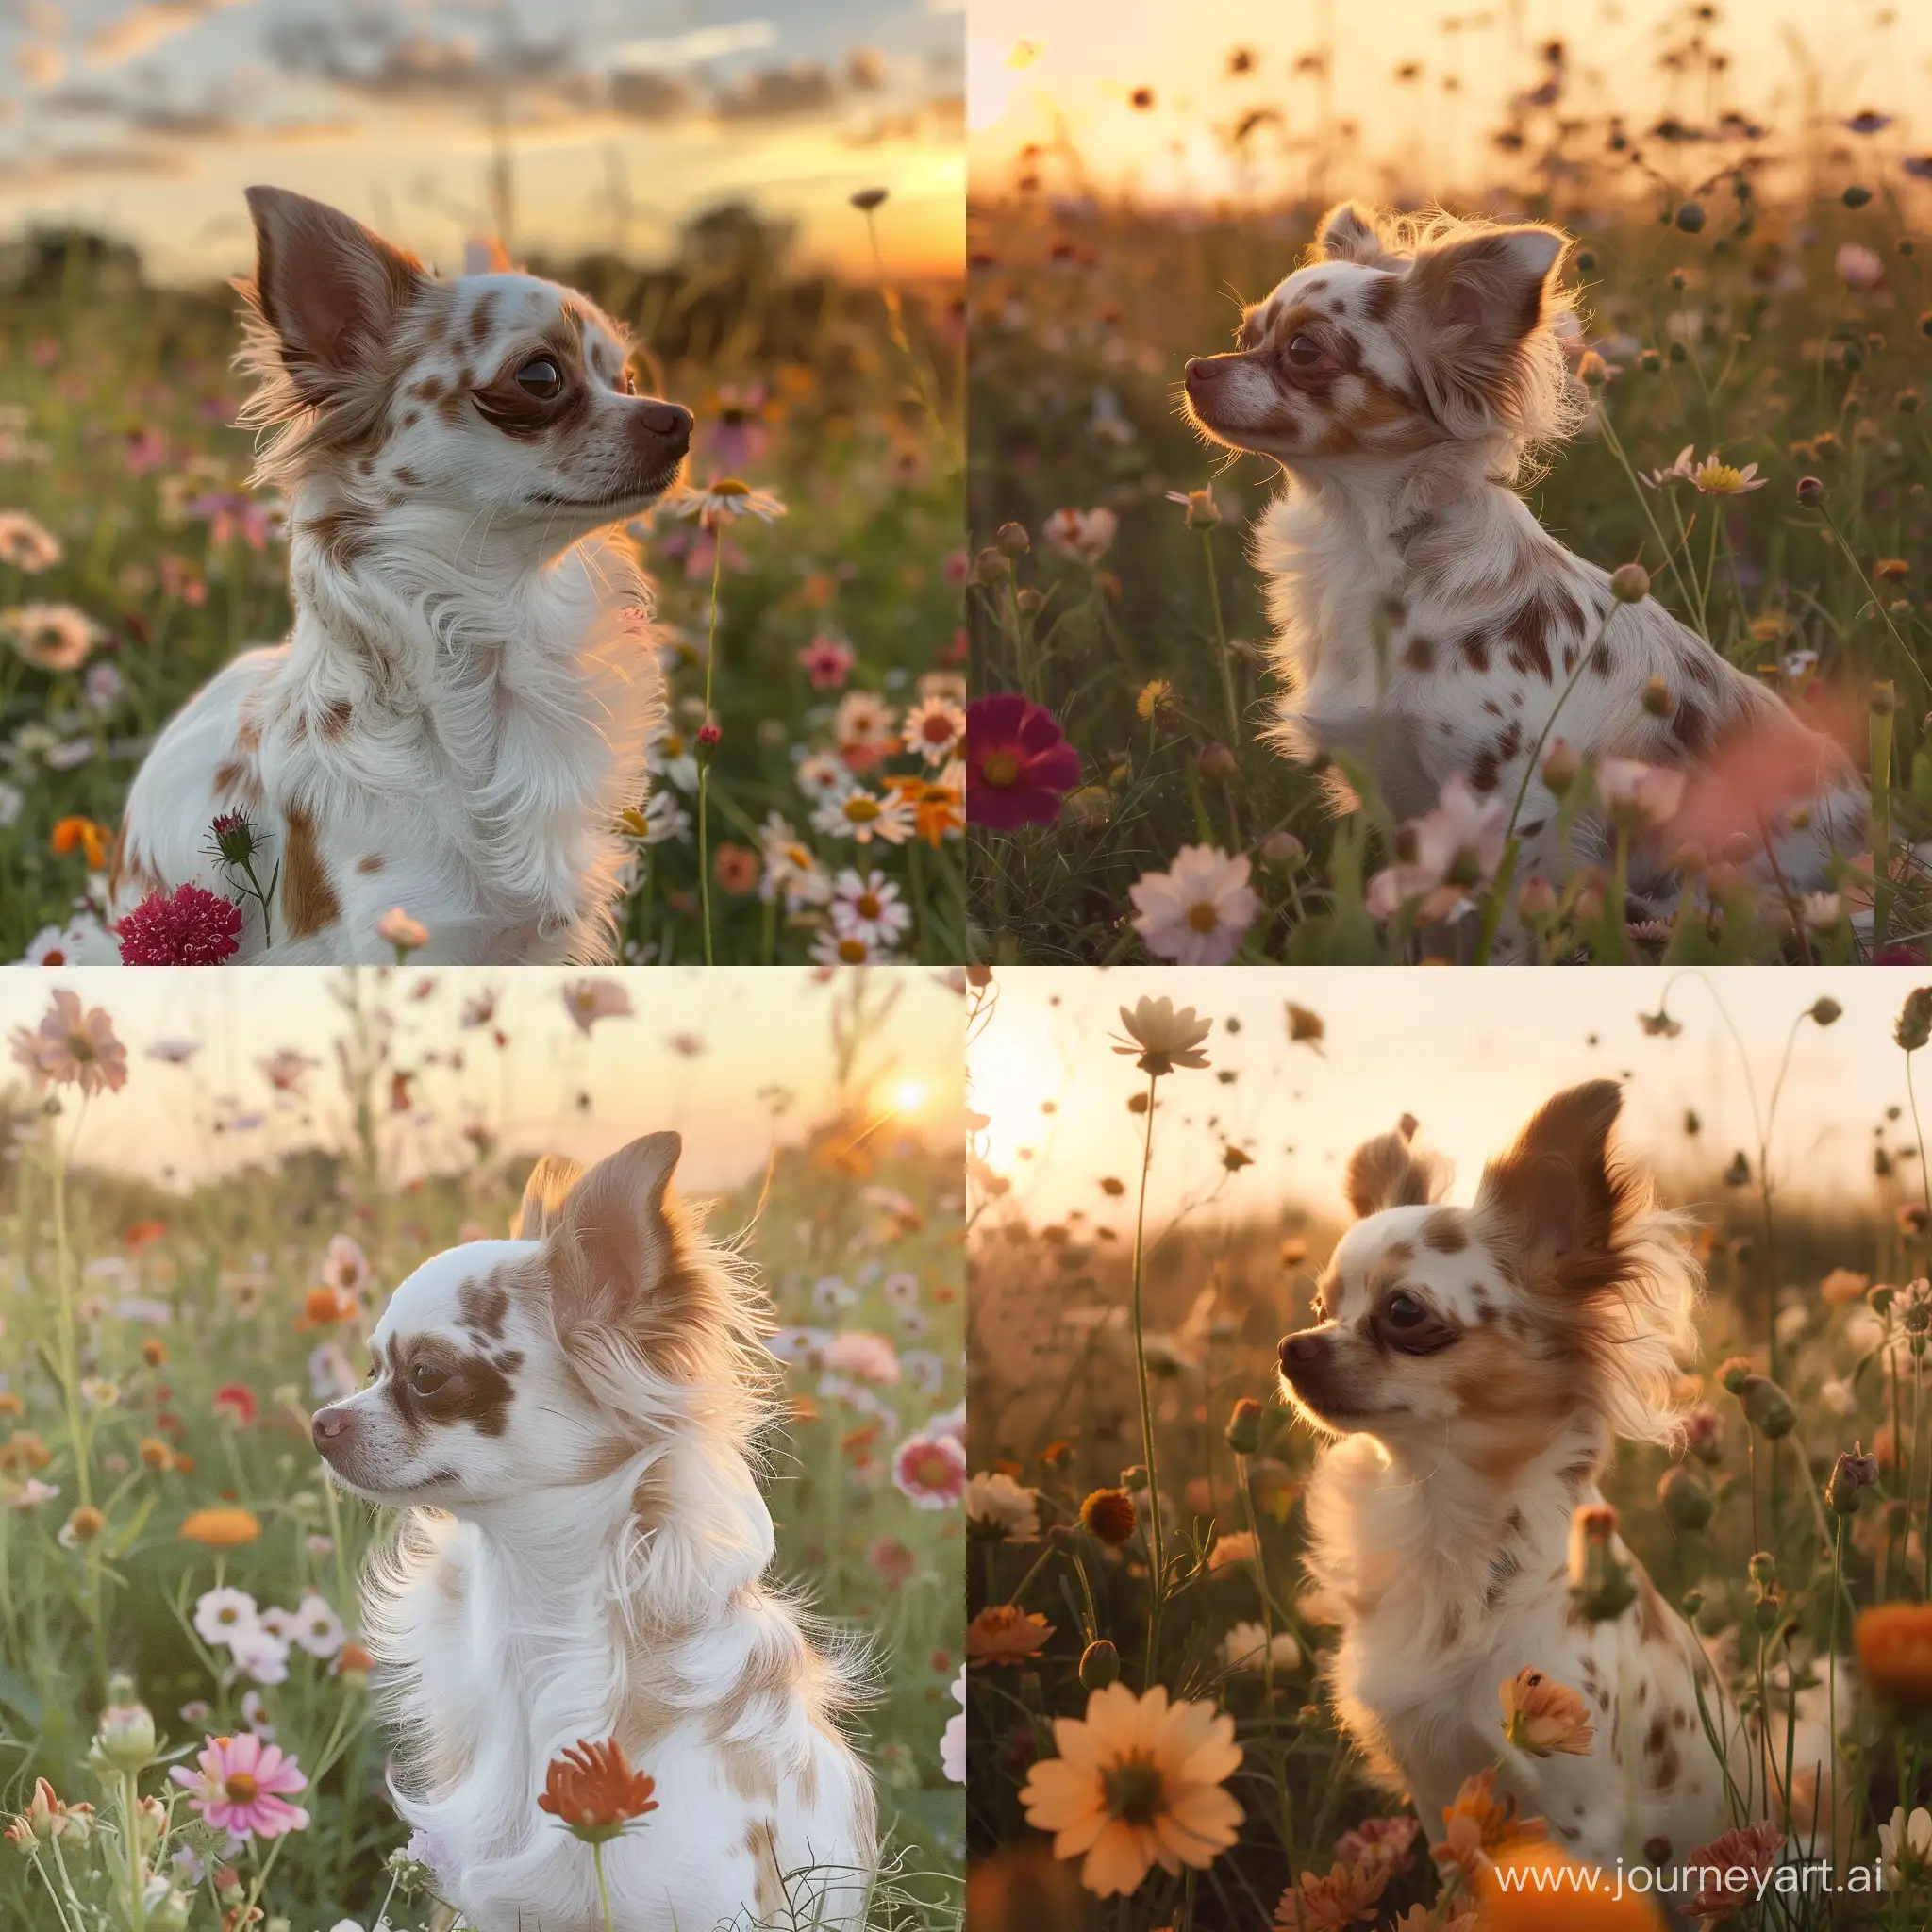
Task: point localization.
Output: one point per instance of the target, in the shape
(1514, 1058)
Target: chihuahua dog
(1472, 1368)
(570, 1417)
(1427, 625)
(459, 715)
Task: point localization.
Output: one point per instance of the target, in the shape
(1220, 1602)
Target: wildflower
(26, 545)
(1752, 1850)
(1851, 1475)
(828, 661)
(220, 1529)
(235, 1401)
(930, 1471)
(1196, 912)
(72, 1048)
(1159, 1039)
(1454, 847)
(592, 1790)
(869, 1357)
(847, 948)
(222, 1615)
(317, 1628)
(1081, 536)
(1002, 1508)
(1248, 1647)
(81, 1527)
(244, 1786)
(724, 502)
(1629, 583)
(1906, 1845)
(1640, 794)
(935, 728)
(792, 868)
(864, 816)
(46, 1818)
(1138, 1783)
(953, 1739)
(1345, 1897)
(1018, 765)
(51, 637)
(736, 867)
(1678, 471)
(1858, 268)
(1003, 1634)
(261, 1654)
(866, 728)
(1894, 1642)
(1204, 512)
(586, 1000)
(937, 801)
(188, 927)
(126, 1728)
(870, 905)
(1601, 1585)
(1238, 1547)
(29, 1495)
(396, 928)
(92, 839)
(1110, 1514)
(1478, 1824)
(1540, 1715)
(1392, 1837)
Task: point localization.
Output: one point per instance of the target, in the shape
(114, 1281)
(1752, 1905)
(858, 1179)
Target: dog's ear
(1349, 232)
(1557, 1190)
(1391, 1171)
(616, 1240)
(1487, 288)
(544, 1194)
(330, 290)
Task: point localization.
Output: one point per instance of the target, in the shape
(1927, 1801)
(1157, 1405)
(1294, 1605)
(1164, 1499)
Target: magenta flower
(827, 662)
(190, 927)
(1017, 763)
(242, 1786)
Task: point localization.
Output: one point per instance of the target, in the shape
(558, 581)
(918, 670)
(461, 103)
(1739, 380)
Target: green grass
(1740, 338)
(212, 1281)
(116, 403)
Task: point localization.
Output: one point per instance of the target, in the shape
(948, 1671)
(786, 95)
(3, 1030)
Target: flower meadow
(806, 797)
(1151, 1738)
(187, 1738)
(1751, 350)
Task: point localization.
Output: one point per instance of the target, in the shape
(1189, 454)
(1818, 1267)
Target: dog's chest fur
(1444, 1592)
(456, 740)
(491, 1664)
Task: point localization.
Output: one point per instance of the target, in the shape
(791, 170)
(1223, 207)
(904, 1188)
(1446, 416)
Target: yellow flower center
(1133, 1790)
(1202, 916)
(937, 730)
(852, 952)
(931, 1471)
(731, 486)
(862, 810)
(242, 1787)
(673, 745)
(867, 906)
(1719, 479)
(1000, 768)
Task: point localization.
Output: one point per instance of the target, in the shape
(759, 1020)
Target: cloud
(147, 23)
(703, 43)
(774, 91)
(85, 163)
(369, 58)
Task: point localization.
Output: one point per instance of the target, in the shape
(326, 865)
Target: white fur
(595, 1568)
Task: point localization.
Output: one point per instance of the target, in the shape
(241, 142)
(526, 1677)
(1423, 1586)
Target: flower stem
(131, 1825)
(603, 1889)
(1156, 1552)
(705, 758)
(1221, 657)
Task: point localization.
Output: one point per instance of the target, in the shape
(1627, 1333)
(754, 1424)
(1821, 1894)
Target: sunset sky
(1036, 69)
(1471, 1054)
(700, 1054)
(147, 118)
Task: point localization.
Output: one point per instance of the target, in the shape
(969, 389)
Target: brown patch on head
(1419, 654)
(1446, 1231)
(237, 781)
(773, 1674)
(336, 718)
(483, 1307)
(307, 895)
(1475, 650)
(762, 1847)
(1390, 1172)
(371, 861)
(1379, 302)
(750, 1772)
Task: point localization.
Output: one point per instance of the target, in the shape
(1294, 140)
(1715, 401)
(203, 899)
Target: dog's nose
(1302, 1351)
(670, 422)
(329, 1425)
(1202, 369)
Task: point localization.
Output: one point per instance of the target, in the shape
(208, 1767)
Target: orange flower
(142, 1232)
(322, 1307)
(222, 1529)
(352, 1660)
(1109, 1515)
(155, 1453)
(1895, 1646)
(93, 838)
(939, 803)
(154, 1352)
(1004, 1634)
(1478, 1824)
(1346, 1897)
(25, 1450)
(595, 1791)
(1540, 1715)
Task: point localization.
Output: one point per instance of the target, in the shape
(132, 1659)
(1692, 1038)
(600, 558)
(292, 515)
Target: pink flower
(1753, 1850)
(1017, 763)
(70, 1047)
(827, 662)
(1651, 793)
(396, 928)
(586, 1000)
(190, 927)
(229, 513)
(1860, 268)
(242, 1786)
(1390, 1837)
(236, 1401)
(930, 1471)
(870, 1358)
(1456, 846)
(1082, 536)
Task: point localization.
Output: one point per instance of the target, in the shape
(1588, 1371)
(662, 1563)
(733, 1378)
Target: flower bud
(1284, 852)
(1811, 492)
(1703, 1435)
(1690, 217)
(1629, 583)
(1687, 1499)
(1657, 701)
(1601, 1585)
(1100, 1665)
(1216, 763)
(1914, 1025)
(1825, 1011)
(1763, 1569)
(1734, 1374)
(991, 567)
(1012, 541)
(1536, 898)
(1031, 601)
(1852, 1474)
(1560, 766)
(126, 1735)
(1883, 700)
(1769, 1407)
(1244, 1431)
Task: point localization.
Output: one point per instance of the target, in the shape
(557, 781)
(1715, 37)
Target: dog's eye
(541, 377)
(1304, 352)
(426, 1379)
(1404, 1311)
